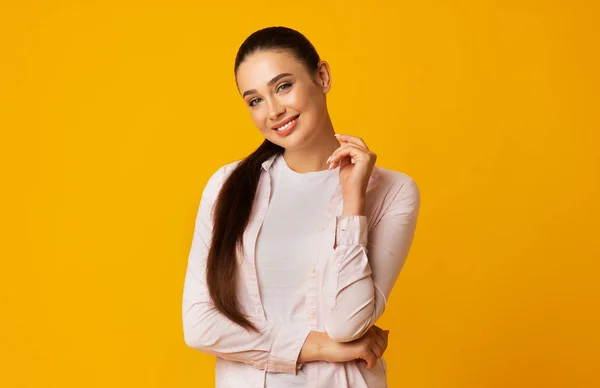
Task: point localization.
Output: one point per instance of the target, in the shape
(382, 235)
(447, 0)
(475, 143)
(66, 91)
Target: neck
(313, 156)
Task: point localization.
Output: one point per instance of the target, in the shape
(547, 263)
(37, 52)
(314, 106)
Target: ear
(324, 76)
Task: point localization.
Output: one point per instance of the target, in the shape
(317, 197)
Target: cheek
(258, 117)
(305, 100)
(297, 98)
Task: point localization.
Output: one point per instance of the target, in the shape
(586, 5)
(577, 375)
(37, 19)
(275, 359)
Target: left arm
(356, 286)
(357, 282)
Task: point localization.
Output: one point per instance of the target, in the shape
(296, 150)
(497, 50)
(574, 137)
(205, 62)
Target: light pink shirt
(359, 259)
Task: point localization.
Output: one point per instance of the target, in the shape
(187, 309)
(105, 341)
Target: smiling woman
(296, 247)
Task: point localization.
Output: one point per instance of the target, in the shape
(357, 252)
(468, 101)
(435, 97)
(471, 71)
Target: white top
(297, 205)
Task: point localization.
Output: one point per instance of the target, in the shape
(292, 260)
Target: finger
(377, 344)
(351, 139)
(345, 161)
(341, 149)
(370, 358)
(381, 338)
(385, 335)
(381, 346)
(380, 332)
(354, 152)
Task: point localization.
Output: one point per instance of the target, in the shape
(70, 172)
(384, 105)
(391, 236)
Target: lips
(284, 122)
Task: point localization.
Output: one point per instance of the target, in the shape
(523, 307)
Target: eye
(254, 101)
(284, 86)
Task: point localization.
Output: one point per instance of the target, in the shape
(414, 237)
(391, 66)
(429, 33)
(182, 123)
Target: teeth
(284, 127)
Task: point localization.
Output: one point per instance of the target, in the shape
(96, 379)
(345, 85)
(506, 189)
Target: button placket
(312, 297)
(264, 184)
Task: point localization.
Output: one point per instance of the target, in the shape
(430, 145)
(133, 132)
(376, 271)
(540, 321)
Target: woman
(296, 248)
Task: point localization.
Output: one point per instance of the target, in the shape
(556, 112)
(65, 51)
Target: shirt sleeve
(275, 349)
(357, 283)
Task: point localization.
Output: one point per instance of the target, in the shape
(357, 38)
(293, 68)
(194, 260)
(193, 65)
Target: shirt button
(334, 268)
(312, 270)
(321, 229)
(259, 310)
(312, 313)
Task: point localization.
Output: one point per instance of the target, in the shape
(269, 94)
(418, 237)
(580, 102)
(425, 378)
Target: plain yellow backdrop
(114, 114)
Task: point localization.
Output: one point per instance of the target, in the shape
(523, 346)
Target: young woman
(296, 248)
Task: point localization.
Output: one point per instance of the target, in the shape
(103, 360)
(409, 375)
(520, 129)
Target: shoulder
(395, 181)
(218, 177)
(397, 187)
(226, 169)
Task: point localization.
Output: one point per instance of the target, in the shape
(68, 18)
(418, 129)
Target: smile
(286, 125)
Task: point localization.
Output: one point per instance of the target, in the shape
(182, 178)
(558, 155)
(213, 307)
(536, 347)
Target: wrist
(354, 205)
(314, 347)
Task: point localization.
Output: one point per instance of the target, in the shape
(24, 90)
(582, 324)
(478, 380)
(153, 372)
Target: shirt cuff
(351, 230)
(284, 355)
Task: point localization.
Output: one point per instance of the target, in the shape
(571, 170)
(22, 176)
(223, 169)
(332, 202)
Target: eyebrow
(271, 82)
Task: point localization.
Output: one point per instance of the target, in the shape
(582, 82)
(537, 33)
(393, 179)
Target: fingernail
(336, 134)
(328, 159)
(330, 166)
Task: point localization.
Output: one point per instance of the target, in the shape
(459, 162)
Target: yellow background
(114, 115)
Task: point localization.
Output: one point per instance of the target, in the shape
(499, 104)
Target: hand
(369, 348)
(356, 163)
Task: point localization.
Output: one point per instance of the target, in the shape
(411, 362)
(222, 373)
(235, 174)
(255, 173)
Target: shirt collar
(267, 163)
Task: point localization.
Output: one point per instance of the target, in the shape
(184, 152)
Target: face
(286, 102)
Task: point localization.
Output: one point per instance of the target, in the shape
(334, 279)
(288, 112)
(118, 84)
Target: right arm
(369, 347)
(275, 349)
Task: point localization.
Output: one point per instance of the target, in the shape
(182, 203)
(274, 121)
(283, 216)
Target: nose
(275, 109)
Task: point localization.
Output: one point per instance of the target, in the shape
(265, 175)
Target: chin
(292, 143)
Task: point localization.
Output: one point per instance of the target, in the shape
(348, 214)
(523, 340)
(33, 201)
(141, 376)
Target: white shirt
(297, 205)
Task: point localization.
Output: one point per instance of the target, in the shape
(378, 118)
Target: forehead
(260, 67)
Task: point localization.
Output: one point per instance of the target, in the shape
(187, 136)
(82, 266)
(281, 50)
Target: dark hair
(235, 199)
